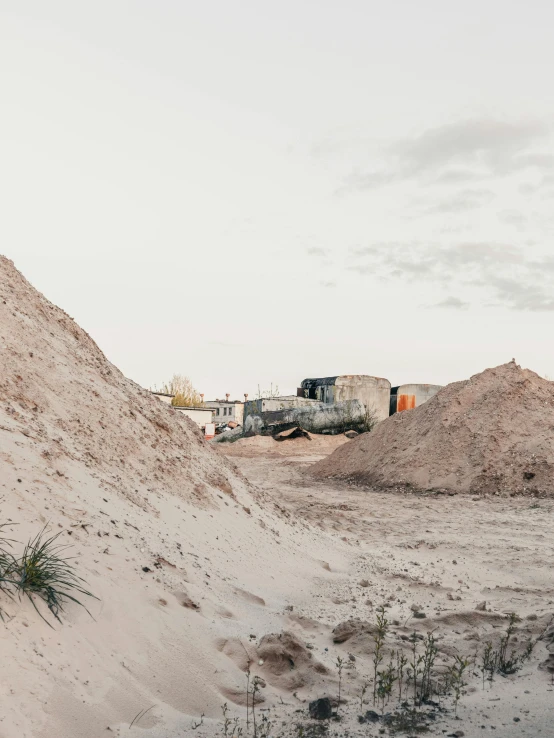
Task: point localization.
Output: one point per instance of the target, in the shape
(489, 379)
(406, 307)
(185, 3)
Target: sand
(492, 434)
(465, 562)
(209, 561)
(314, 445)
(130, 483)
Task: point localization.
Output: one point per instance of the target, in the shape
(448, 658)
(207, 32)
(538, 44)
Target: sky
(251, 193)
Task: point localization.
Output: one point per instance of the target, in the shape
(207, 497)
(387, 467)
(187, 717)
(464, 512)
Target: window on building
(217, 411)
(224, 411)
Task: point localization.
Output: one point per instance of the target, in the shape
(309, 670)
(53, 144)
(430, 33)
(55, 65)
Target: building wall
(372, 392)
(200, 415)
(227, 411)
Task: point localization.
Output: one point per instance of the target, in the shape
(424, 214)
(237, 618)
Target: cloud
(328, 285)
(506, 274)
(458, 176)
(513, 218)
(482, 142)
(521, 294)
(462, 202)
(317, 251)
(369, 180)
(452, 303)
(458, 153)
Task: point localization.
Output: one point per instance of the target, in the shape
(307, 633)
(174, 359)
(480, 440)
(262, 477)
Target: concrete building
(227, 410)
(372, 392)
(408, 396)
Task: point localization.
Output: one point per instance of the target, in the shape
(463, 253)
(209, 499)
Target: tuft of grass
(6, 559)
(42, 571)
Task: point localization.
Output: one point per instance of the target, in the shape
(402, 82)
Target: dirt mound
(291, 434)
(60, 393)
(286, 662)
(491, 434)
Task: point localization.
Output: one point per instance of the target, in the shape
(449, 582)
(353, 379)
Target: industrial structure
(254, 408)
(321, 405)
(372, 392)
(408, 396)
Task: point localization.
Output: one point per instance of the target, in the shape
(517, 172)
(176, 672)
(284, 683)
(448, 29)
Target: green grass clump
(42, 571)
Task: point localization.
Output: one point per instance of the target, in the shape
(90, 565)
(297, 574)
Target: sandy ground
(206, 561)
(408, 549)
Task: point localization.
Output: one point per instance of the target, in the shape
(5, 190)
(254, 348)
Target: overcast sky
(255, 192)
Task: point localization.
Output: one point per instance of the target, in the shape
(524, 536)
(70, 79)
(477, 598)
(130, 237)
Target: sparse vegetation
(369, 420)
(269, 394)
(379, 638)
(363, 691)
(197, 723)
(352, 420)
(231, 728)
(410, 673)
(340, 666)
(456, 676)
(41, 572)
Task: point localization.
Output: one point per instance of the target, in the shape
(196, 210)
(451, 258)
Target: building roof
(225, 402)
(321, 382)
(329, 381)
(187, 407)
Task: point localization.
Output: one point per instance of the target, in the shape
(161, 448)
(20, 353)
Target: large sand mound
(491, 434)
(60, 392)
(164, 530)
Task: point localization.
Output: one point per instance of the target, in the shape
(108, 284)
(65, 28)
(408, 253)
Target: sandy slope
(130, 483)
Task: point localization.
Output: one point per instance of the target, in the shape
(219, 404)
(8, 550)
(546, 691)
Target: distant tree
(184, 394)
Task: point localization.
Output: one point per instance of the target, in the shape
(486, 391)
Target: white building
(226, 411)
